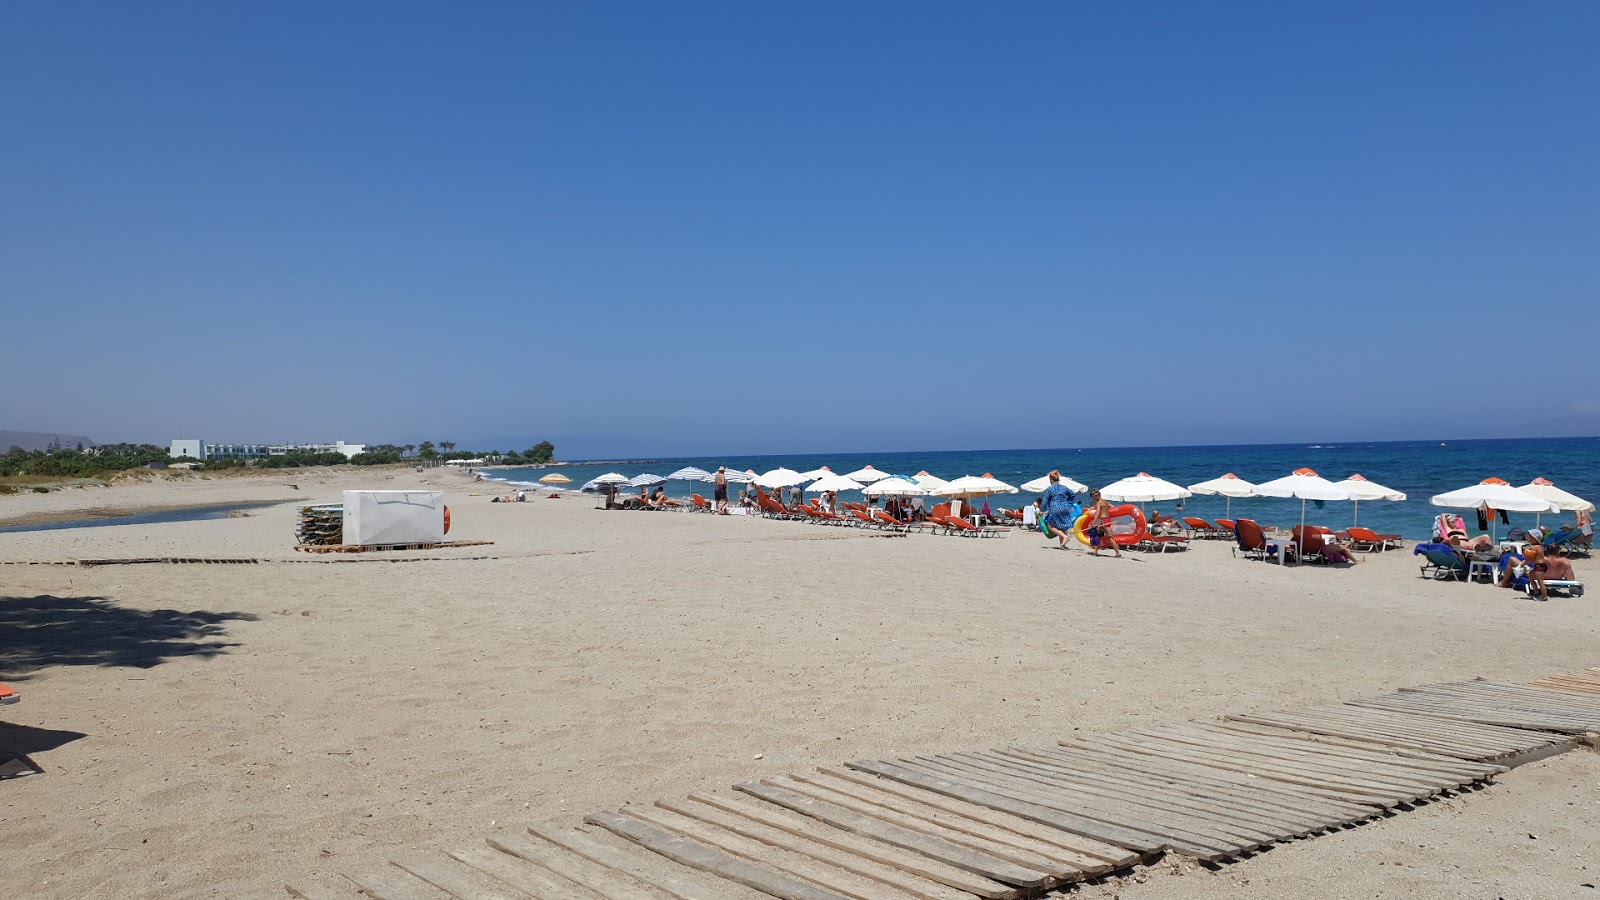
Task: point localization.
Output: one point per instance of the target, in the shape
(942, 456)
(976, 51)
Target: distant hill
(39, 440)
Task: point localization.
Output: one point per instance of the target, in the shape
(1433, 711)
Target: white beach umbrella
(867, 474)
(1545, 490)
(1229, 486)
(816, 473)
(645, 479)
(1038, 485)
(833, 483)
(690, 473)
(930, 483)
(894, 487)
(734, 476)
(975, 486)
(1495, 493)
(611, 478)
(1361, 489)
(1143, 488)
(780, 478)
(1305, 484)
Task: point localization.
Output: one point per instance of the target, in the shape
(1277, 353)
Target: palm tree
(447, 445)
(408, 448)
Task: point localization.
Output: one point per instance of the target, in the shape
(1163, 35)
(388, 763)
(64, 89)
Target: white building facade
(201, 451)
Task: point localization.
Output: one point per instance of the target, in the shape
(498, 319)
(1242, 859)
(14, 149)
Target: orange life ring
(447, 520)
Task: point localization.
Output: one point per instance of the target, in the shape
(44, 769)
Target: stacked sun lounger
(321, 525)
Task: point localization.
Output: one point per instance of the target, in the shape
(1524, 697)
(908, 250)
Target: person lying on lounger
(1462, 544)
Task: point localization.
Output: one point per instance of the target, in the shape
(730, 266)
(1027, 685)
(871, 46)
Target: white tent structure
(867, 475)
(1361, 489)
(780, 478)
(1545, 490)
(690, 473)
(894, 487)
(930, 483)
(1143, 488)
(1038, 485)
(1305, 484)
(1494, 493)
(1229, 486)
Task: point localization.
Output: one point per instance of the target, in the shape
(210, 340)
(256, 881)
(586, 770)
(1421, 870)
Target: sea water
(1420, 469)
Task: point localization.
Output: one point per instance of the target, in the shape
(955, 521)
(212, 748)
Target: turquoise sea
(1418, 468)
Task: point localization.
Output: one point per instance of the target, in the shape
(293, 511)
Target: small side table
(1486, 567)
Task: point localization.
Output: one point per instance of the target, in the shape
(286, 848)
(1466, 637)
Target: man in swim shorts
(721, 492)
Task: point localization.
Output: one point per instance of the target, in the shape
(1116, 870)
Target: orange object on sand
(447, 520)
(8, 694)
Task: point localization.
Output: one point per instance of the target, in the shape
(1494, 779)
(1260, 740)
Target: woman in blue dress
(1060, 508)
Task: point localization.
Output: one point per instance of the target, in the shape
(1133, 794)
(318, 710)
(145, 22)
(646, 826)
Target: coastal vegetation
(58, 462)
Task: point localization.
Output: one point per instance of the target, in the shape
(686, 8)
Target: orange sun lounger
(8, 694)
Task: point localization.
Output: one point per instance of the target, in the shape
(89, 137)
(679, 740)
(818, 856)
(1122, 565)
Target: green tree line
(110, 458)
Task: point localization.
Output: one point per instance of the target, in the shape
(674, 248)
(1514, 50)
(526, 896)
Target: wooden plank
(1160, 796)
(397, 885)
(709, 859)
(1354, 730)
(1378, 774)
(597, 878)
(460, 880)
(683, 884)
(1103, 818)
(1179, 836)
(956, 855)
(804, 867)
(1110, 854)
(957, 824)
(1380, 784)
(528, 877)
(888, 854)
(1128, 838)
(1154, 799)
(1245, 799)
(911, 883)
(996, 849)
(1322, 785)
(1452, 770)
(1258, 791)
(1360, 749)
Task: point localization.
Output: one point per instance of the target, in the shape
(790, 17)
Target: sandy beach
(246, 726)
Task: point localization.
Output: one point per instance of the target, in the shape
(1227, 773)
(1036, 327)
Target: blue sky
(661, 229)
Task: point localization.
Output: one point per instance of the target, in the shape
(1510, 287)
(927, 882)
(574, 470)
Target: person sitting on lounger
(658, 500)
(1529, 564)
(1334, 552)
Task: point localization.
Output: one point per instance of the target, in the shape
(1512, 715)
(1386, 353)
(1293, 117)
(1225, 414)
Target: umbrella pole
(1356, 519)
(1298, 546)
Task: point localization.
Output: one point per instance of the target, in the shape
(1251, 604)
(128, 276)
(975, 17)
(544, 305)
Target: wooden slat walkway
(1015, 822)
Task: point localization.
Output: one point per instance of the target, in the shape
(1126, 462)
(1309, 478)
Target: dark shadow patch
(40, 632)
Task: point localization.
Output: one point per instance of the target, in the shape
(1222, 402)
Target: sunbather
(1334, 552)
(1462, 544)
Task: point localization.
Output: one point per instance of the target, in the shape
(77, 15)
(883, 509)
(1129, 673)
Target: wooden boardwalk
(1017, 822)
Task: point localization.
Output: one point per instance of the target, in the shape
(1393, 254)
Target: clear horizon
(635, 230)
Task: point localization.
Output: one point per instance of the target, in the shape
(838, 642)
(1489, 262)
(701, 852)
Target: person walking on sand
(1060, 506)
(720, 494)
(1102, 524)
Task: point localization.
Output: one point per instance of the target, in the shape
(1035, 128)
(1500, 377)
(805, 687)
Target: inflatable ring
(1080, 528)
(447, 520)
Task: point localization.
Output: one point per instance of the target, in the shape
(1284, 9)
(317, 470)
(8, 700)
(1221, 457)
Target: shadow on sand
(40, 632)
